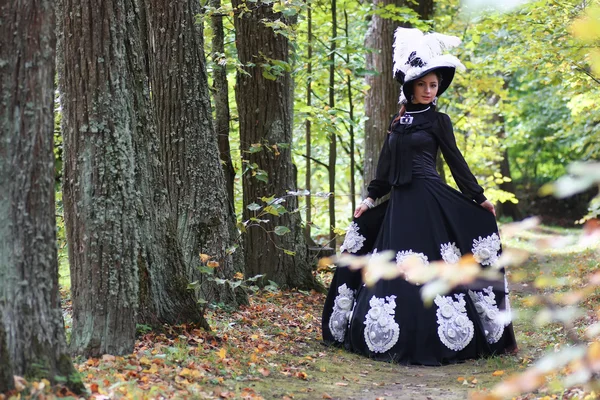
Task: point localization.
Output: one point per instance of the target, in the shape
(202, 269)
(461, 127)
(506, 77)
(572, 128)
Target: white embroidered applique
(450, 253)
(485, 304)
(507, 303)
(381, 331)
(455, 329)
(486, 250)
(404, 254)
(342, 307)
(354, 241)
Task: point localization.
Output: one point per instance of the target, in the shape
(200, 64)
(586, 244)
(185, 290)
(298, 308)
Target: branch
(347, 150)
(588, 73)
(313, 159)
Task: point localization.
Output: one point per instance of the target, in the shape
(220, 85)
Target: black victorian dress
(429, 219)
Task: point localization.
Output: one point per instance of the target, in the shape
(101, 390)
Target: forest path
(272, 349)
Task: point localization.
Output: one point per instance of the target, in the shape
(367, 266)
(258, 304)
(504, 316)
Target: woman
(425, 218)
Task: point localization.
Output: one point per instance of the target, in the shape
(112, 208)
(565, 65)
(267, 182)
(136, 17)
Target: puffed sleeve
(467, 183)
(380, 186)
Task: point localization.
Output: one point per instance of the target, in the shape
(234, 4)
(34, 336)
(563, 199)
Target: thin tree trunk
(439, 166)
(32, 335)
(189, 148)
(507, 209)
(265, 110)
(223, 117)
(6, 372)
(164, 294)
(332, 135)
(351, 110)
(221, 97)
(381, 100)
(307, 123)
(98, 187)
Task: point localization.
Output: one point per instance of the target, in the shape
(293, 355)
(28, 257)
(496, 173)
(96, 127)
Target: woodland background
(168, 162)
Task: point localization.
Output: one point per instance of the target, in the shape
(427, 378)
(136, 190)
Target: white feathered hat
(416, 54)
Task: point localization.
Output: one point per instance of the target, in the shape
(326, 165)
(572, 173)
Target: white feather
(436, 43)
(405, 40)
(428, 47)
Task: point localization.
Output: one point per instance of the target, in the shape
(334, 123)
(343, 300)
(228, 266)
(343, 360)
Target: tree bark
(6, 372)
(221, 98)
(307, 123)
(222, 120)
(31, 325)
(506, 209)
(381, 100)
(332, 135)
(98, 188)
(188, 145)
(164, 294)
(265, 111)
(351, 111)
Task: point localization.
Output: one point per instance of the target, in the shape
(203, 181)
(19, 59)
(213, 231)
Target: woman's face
(425, 89)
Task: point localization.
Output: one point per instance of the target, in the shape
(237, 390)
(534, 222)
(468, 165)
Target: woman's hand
(362, 207)
(489, 206)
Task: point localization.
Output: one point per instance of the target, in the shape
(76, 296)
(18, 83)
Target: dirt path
(337, 374)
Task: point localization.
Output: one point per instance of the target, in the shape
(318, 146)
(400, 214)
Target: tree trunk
(6, 372)
(164, 294)
(439, 166)
(381, 100)
(351, 110)
(307, 123)
(31, 325)
(98, 188)
(189, 148)
(265, 111)
(507, 209)
(332, 135)
(223, 117)
(221, 97)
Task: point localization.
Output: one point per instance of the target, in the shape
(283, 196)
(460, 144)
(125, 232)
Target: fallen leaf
(238, 275)
(144, 361)
(498, 373)
(302, 375)
(20, 383)
(222, 353)
(341, 384)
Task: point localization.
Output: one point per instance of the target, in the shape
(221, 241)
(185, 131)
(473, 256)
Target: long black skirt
(389, 320)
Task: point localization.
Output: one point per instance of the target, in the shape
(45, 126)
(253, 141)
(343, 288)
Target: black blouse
(411, 149)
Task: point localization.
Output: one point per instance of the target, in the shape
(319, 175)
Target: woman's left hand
(489, 206)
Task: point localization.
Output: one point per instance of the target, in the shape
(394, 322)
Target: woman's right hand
(360, 209)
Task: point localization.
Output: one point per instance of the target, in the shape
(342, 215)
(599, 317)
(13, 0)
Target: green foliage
(528, 89)
(142, 329)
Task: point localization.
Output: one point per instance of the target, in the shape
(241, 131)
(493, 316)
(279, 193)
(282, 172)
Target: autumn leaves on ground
(271, 349)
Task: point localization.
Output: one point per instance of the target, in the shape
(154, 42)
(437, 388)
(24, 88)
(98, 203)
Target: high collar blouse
(411, 149)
